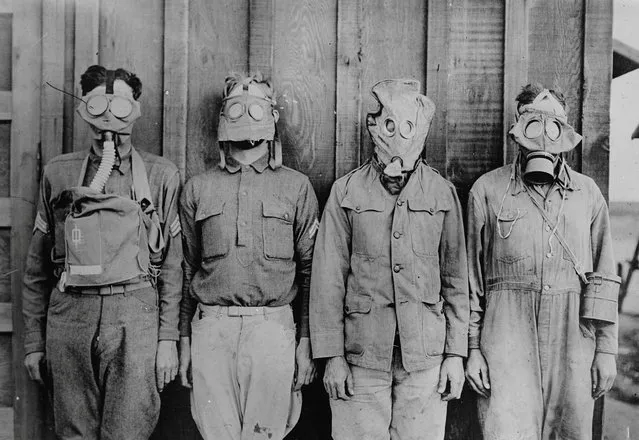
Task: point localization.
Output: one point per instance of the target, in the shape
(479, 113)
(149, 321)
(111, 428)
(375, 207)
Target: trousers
(100, 353)
(395, 405)
(243, 365)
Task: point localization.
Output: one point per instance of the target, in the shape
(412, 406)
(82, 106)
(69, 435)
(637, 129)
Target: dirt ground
(622, 403)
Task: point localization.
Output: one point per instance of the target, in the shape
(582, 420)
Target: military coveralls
(249, 232)
(525, 298)
(101, 344)
(389, 292)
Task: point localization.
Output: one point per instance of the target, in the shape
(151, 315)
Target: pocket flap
(209, 211)
(428, 205)
(357, 304)
(274, 209)
(363, 205)
(509, 215)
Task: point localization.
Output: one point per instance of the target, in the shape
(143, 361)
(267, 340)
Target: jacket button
(357, 208)
(546, 287)
(431, 210)
(396, 268)
(400, 202)
(397, 234)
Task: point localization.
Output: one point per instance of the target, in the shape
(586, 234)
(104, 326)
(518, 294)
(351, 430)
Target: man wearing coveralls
(389, 290)
(538, 357)
(249, 230)
(104, 351)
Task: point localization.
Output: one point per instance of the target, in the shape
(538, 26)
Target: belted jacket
(387, 265)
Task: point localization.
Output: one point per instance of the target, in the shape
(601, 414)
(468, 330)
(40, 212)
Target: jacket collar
(233, 166)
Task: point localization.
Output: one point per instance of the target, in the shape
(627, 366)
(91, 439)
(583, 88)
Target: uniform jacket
(387, 265)
(528, 259)
(249, 232)
(47, 243)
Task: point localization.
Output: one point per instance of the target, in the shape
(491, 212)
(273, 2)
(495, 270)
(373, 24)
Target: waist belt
(206, 310)
(114, 289)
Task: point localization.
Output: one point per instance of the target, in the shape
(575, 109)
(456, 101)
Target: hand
(305, 371)
(338, 380)
(166, 363)
(603, 372)
(185, 362)
(477, 373)
(33, 362)
(452, 371)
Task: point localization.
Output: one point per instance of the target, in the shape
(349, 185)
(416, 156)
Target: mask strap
(110, 78)
(501, 206)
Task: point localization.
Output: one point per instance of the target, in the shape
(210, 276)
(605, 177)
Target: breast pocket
(214, 231)
(513, 242)
(426, 218)
(277, 230)
(368, 220)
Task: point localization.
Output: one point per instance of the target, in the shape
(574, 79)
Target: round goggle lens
(406, 129)
(256, 112)
(533, 129)
(553, 130)
(235, 110)
(121, 107)
(389, 124)
(97, 105)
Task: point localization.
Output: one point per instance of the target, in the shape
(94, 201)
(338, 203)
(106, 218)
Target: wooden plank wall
(323, 56)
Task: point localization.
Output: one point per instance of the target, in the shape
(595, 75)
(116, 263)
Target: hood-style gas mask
(542, 130)
(399, 128)
(248, 115)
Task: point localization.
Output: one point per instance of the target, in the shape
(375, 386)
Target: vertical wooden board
(437, 63)
(25, 137)
(5, 157)
(475, 91)
(7, 387)
(348, 111)
(131, 37)
(304, 81)
(52, 101)
(6, 424)
(393, 46)
(176, 35)
(555, 55)
(597, 72)
(5, 51)
(86, 46)
(217, 46)
(70, 81)
(6, 267)
(260, 30)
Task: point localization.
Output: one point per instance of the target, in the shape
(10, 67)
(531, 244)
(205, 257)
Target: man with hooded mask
(249, 230)
(102, 282)
(543, 327)
(389, 290)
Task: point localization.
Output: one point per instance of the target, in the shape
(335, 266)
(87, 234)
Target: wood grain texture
(6, 321)
(5, 158)
(260, 30)
(176, 35)
(52, 114)
(131, 37)
(6, 22)
(597, 75)
(6, 424)
(348, 111)
(394, 43)
(217, 46)
(515, 66)
(304, 82)
(475, 91)
(6, 103)
(6, 267)
(86, 46)
(25, 136)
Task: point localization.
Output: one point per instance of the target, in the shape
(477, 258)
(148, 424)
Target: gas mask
(248, 117)
(542, 130)
(110, 110)
(399, 128)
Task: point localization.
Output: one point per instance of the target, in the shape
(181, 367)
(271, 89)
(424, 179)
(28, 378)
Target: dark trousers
(100, 353)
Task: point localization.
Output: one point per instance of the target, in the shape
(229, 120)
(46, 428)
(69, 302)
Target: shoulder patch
(40, 225)
(176, 227)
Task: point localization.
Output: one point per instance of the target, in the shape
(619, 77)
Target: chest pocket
(277, 229)
(214, 230)
(368, 222)
(426, 218)
(512, 236)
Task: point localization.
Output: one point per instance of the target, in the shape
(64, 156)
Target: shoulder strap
(573, 258)
(140, 180)
(83, 170)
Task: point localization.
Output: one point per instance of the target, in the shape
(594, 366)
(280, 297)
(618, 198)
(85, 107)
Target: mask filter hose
(106, 164)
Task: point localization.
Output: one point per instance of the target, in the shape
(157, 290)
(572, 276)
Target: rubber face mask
(247, 114)
(110, 107)
(540, 167)
(399, 128)
(542, 126)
